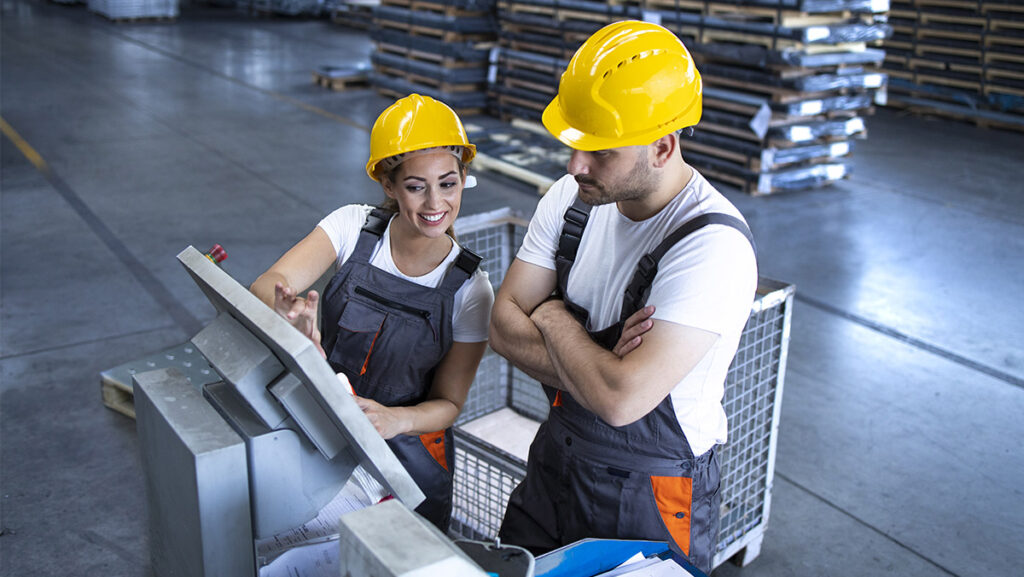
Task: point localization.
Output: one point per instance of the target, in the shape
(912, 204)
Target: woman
(405, 315)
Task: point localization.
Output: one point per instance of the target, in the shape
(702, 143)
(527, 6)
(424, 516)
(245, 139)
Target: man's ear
(663, 149)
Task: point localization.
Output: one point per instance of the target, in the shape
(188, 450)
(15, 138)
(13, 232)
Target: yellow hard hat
(414, 123)
(629, 84)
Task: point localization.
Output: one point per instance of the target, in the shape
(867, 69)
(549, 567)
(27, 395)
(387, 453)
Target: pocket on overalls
(358, 329)
(436, 446)
(673, 497)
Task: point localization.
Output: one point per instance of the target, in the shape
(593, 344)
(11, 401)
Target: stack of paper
(640, 566)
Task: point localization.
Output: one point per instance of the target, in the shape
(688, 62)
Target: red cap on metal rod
(216, 254)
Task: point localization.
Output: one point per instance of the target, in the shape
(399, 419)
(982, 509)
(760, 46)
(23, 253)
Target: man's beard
(635, 185)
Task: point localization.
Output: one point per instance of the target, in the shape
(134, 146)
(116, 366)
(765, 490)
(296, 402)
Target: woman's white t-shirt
(473, 301)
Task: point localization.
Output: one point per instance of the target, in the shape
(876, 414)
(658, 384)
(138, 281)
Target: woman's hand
(388, 421)
(300, 312)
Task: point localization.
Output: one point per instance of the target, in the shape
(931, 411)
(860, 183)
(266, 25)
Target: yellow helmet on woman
(415, 123)
(629, 84)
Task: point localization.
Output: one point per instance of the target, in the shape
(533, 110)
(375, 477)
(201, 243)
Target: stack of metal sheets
(439, 48)
(959, 58)
(135, 9)
(787, 82)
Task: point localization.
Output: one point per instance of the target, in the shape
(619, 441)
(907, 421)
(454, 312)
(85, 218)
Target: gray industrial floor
(900, 443)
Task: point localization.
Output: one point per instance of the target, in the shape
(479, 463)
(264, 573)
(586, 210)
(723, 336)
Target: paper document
(361, 491)
(638, 566)
(317, 560)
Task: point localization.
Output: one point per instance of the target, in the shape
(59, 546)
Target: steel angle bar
(823, 82)
(816, 106)
(762, 57)
(817, 60)
(468, 5)
(706, 138)
(802, 178)
(741, 122)
(810, 83)
(775, 157)
(811, 131)
(992, 115)
(757, 122)
(814, 34)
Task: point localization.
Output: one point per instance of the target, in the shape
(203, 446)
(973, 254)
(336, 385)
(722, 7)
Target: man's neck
(672, 183)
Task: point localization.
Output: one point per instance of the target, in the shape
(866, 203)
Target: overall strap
(569, 242)
(639, 287)
(464, 266)
(371, 233)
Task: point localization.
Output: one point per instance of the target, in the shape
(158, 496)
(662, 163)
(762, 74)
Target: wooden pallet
(139, 19)
(989, 7)
(435, 83)
(435, 7)
(441, 60)
(395, 94)
(116, 382)
(558, 13)
(961, 116)
(431, 32)
(547, 90)
(326, 78)
(118, 397)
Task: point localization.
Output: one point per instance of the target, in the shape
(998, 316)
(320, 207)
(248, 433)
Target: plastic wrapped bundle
(135, 9)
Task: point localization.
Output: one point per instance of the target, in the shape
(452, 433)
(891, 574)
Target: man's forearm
(565, 339)
(515, 337)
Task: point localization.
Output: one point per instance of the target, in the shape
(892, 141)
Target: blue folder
(589, 557)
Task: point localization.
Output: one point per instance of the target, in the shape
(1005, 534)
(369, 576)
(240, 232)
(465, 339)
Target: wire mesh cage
(486, 475)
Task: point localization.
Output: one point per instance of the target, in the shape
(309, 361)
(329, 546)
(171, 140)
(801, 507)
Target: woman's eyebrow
(423, 179)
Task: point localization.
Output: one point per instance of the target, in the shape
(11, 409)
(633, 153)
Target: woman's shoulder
(350, 213)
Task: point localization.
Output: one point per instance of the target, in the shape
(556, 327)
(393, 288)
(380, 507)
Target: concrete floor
(899, 450)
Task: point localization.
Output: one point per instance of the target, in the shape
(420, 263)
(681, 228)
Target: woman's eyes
(448, 184)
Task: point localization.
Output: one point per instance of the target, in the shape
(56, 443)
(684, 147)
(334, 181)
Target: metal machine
(265, 449)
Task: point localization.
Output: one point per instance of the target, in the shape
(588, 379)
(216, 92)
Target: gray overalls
(388, 334)
(586, 478)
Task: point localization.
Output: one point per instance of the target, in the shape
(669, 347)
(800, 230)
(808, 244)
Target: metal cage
(486, 475)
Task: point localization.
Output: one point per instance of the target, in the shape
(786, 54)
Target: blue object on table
(589, 557)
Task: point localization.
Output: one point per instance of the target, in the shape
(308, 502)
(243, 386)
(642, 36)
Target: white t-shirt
(706, 281)
(473, 301)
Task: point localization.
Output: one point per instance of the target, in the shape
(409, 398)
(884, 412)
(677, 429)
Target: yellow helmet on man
(415, 123)
(629, 84)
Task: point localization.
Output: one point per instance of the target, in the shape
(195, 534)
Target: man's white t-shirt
(706, 281)
(473, 301)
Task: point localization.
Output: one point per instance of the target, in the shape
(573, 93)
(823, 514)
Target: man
(653, 274)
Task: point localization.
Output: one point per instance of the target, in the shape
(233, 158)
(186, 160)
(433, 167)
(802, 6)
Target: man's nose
(578, 163)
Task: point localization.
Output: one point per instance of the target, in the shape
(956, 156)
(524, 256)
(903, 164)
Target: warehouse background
(125, 141)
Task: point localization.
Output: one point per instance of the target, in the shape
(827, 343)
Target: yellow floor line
(25, 148)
